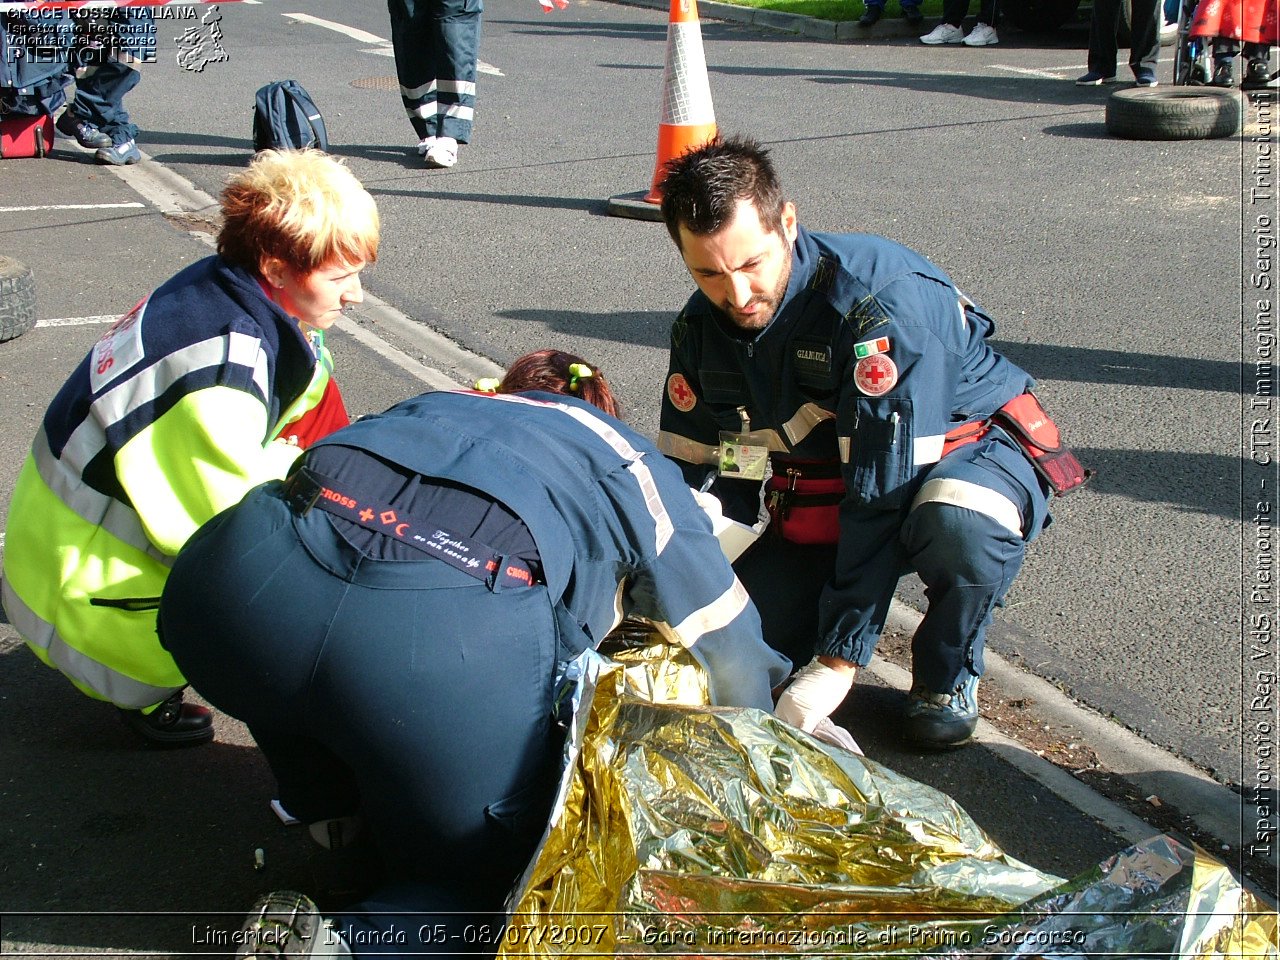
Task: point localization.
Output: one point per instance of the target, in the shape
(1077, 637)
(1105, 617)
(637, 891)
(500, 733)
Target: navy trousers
(402, 690)
(436, 43)
(966, 559)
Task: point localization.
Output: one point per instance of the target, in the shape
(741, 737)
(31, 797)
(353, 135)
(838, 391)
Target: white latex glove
(813, 695)
(828, 731)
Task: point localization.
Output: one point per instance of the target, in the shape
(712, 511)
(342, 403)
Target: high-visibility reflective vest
(166, 422)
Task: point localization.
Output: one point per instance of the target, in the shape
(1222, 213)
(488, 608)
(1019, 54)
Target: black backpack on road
(286, 118)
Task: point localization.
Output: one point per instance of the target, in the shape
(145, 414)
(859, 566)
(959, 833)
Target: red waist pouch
(803, 498)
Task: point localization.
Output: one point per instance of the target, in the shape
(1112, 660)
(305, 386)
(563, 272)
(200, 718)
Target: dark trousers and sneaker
(950, 30)
(343, 662)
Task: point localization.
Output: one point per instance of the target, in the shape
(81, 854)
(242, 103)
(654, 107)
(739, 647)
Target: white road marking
(75, 206)
(352, 32)
(1053, 73)
(77, 321)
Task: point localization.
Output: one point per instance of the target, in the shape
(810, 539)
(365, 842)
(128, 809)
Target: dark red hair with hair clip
(549, 370)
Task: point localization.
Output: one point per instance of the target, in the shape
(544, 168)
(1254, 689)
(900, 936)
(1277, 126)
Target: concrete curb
(1211, 806)
(1111, 815)
(464, 368)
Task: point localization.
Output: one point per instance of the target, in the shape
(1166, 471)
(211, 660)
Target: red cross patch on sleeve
(875, 375)
(680, 393)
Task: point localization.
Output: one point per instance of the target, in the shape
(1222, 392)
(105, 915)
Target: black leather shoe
(1222, 74)
(173, 723)
(913, 16)
(870, 16)
(1257, 75)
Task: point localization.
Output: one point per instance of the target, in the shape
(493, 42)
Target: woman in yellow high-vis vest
(211, 385)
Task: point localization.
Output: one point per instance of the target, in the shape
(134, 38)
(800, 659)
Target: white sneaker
(443, 153)
(425, 144)
(943, 33)
(982, 35)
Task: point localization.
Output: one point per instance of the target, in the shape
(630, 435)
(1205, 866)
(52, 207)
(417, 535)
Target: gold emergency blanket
(689, 830)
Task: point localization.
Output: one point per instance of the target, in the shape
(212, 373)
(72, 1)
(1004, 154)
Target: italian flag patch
(869, 348)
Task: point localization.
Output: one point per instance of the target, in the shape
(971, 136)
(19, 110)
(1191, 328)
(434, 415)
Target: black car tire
(17, 299)
(1179, 113)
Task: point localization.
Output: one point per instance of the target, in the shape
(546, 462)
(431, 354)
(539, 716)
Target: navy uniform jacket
(617, 530)
(795, 380)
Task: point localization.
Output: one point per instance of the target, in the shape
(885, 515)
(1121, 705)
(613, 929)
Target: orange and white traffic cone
(688, 119)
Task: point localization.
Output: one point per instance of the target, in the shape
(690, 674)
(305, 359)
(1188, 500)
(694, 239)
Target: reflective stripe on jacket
(166, 422)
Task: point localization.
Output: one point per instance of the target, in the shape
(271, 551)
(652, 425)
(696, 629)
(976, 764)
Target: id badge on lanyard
(744, 454)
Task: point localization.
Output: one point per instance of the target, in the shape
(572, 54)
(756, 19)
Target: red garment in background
(324, 418)
(1253, 21)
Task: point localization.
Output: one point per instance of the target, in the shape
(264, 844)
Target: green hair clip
(488, 384)
(578, 371)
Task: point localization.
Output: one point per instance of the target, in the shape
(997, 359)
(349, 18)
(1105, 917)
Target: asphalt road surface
(1124, 275)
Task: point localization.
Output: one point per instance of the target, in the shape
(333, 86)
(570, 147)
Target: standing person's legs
(1257, 70)
(1103, 24)
(1144, 47)
(412, 42)
(954, 11)
(948, 29)
(457, 25)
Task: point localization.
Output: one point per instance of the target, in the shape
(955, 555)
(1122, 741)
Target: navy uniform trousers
(402, 689)
(435, 44)
(966, 559)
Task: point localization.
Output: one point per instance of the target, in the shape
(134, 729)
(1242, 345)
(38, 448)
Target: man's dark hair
(702, 188)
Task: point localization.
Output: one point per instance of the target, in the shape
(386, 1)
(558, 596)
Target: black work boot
(870, 16)
(173, 723)
(1257, 75)
(943, 719)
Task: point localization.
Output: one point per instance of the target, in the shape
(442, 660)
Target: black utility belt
(306, 489)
